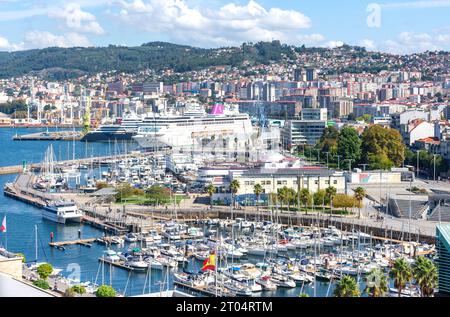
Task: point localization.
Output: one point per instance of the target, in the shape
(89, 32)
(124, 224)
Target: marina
(265, 252)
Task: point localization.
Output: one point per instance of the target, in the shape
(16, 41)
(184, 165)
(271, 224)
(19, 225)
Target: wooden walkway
(120, 264)
(62, 244)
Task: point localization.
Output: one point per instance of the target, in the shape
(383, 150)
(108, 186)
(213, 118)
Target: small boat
(201, 256)
(237, 288)
(266, 283)
(131, 237)
(117, 240)
(137, 264)
(111, 256)
(283, 281)
(154, 264)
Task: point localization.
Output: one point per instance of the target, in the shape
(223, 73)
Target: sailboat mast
(35, 242)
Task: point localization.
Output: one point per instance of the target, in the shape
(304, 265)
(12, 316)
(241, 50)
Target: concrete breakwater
(49, 136)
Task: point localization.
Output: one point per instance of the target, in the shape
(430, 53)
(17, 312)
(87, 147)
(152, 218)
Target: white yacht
(62, 212)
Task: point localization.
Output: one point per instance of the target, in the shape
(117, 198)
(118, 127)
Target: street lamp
(349, 164)
(434, 162)
(327, 153)
(418, 156)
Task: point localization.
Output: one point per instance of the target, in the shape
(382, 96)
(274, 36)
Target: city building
(443, 258)
(314, 114)
(302, 132)
(271, 180)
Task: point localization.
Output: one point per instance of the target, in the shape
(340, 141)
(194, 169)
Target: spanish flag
(209, 263)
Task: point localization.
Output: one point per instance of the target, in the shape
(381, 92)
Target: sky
(394, 26)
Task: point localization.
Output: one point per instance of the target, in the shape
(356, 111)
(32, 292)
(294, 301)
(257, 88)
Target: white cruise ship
(190, 129)
(62, 212)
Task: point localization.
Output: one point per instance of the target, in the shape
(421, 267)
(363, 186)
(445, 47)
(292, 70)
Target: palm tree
(305, 198)
(257, 190)
(331, 192)
(402, 274)
(377, 285)
(234, 188)
(425, 274)
(283, 196)
(360, 193)
(347, 287)
(210, 189)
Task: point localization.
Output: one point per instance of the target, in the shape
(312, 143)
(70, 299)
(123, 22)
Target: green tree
(306, 198)
(41, 284)
(402, 274)
(349, 144)
(425, 274)
(234, 188)
(79, 289)
(105, 291)
(377, 284)
(44, 270)
(359, 195)
(210, 189)
(257, 190)
(328, 142)
(347, 287)
(320, 197)
(126, 191)
(283, 196)
(158, 194)
(367, 118)
(379, 161)
(330, 194)
(378, 140)
(343, 201)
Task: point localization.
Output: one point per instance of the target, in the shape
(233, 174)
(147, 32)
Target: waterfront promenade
(119, 218)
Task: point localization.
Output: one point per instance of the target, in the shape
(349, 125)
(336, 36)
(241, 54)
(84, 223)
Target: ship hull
(105, 137)
(58, 219)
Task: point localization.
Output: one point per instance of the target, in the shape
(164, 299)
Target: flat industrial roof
(291, 172)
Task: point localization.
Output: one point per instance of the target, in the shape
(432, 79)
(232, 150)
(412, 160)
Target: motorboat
(131, 237)
(266, 283)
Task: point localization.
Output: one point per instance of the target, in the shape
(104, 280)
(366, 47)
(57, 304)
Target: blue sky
(397, 26)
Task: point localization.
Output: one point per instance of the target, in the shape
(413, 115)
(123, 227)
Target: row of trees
(427, 162)
(423, 273)
(289, 197)
(378, 147)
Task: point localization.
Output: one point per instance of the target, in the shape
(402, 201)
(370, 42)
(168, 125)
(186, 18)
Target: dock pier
(62, 244)
(120, 264)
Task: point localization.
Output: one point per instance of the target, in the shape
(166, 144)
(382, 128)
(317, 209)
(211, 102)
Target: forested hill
(61, 63)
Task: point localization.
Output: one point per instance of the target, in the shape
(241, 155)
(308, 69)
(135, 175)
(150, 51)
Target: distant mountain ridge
(62, 63)
(67, 62)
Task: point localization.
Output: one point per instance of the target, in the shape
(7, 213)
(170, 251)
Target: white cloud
(334, 44)
(41, 39)
(417, 4)
(409, 42)
(76, 19)
(5, 45)
(231, 24)
(368, 44)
